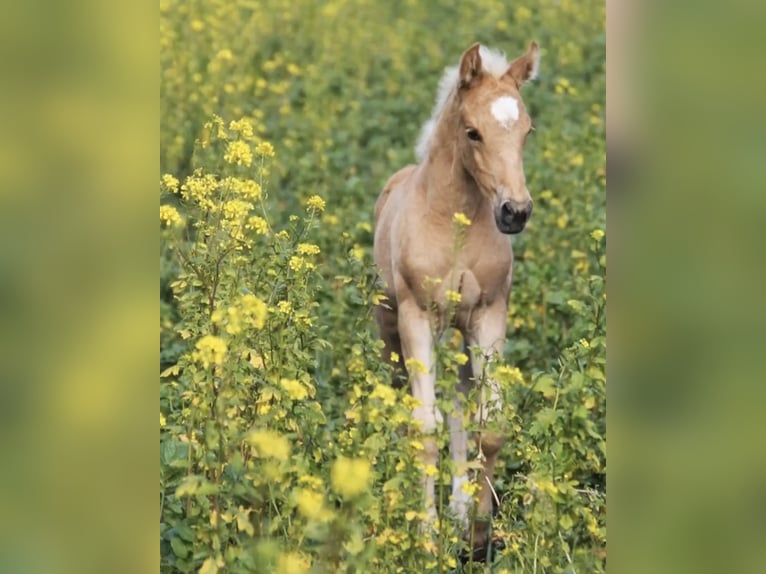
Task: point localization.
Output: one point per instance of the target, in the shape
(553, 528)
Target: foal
(470, 155)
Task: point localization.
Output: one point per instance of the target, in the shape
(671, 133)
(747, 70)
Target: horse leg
(417, 344)
(489, 337)
(461, 500)
(388, 328)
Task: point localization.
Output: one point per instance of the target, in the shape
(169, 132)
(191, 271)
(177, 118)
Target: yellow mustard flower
(308, 249)
(257, 224)
(350, 477)
(316, 202)
(269, 444)
(453, 296)
(461, 219)
(385, 393)
(311, 504)
(265, 149)
(597, 234)
(291, 563)
(238, 152)
(170, 182)
(296, 390)
(254, 310)
(243, 126)
(415, 366)
(210, 350)
(170, 216)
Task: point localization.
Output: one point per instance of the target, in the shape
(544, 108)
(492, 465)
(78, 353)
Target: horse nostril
(507, 210)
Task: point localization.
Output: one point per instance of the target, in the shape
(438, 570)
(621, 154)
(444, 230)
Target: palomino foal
(470, 155)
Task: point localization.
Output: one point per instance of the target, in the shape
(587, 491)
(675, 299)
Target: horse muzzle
(511, 220)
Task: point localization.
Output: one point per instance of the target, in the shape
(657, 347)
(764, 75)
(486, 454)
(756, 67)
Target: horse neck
(449, 188)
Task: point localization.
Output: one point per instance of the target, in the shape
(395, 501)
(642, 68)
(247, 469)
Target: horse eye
(473, 134)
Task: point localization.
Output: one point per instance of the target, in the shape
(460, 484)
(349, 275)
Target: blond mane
(492, 62)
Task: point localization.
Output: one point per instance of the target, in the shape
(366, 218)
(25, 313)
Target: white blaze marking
(505, 109)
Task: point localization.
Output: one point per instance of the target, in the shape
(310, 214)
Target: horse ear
(470, 66)
(524, 68)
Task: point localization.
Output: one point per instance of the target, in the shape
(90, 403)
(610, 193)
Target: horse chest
(467, 283)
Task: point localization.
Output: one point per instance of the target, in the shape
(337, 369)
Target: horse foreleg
(489, 337)
(461, 500)
(417, 348)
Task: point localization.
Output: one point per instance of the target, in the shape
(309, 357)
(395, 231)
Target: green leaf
(179, 548)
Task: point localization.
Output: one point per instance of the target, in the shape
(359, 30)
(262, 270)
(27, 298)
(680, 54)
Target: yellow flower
(296, 263)
(257, 224)
(461, 358)
(394, 357)
(210, 349)
(311, 504)
(315, 202)
(307, 249)
(163, 422)
(470, 488)
(453, 296)
(415, 367)
(243, 126)
(597, 234)
(577, 160)
(238, 152)
(265, 149)
(350, 477)
(523, 14)
(170, 216)
(291, 563)
(170, 182)
(461, 219)
(233, 326)
(295, 389)
(385, 394)
(198, 188)
(254, 310)
(268, 443)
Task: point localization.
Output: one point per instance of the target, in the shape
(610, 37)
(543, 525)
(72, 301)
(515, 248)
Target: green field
(282, 447)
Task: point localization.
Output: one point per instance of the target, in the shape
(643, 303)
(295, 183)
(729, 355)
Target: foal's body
(471, 154)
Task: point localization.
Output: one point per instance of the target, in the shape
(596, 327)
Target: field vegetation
(283, 448)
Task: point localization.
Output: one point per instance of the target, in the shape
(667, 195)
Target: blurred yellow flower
(461, 219)
(269, 443)
(243, 126)
(265, 149)
(350, 477)
(597, 234)
(453, 296)
(385, 393)
(308, 249)
(170, 216)
(415, 367)
(257, 224)
(315, 202)
(210, 350)
(254, 310)
(291, 563)
(295, 389)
